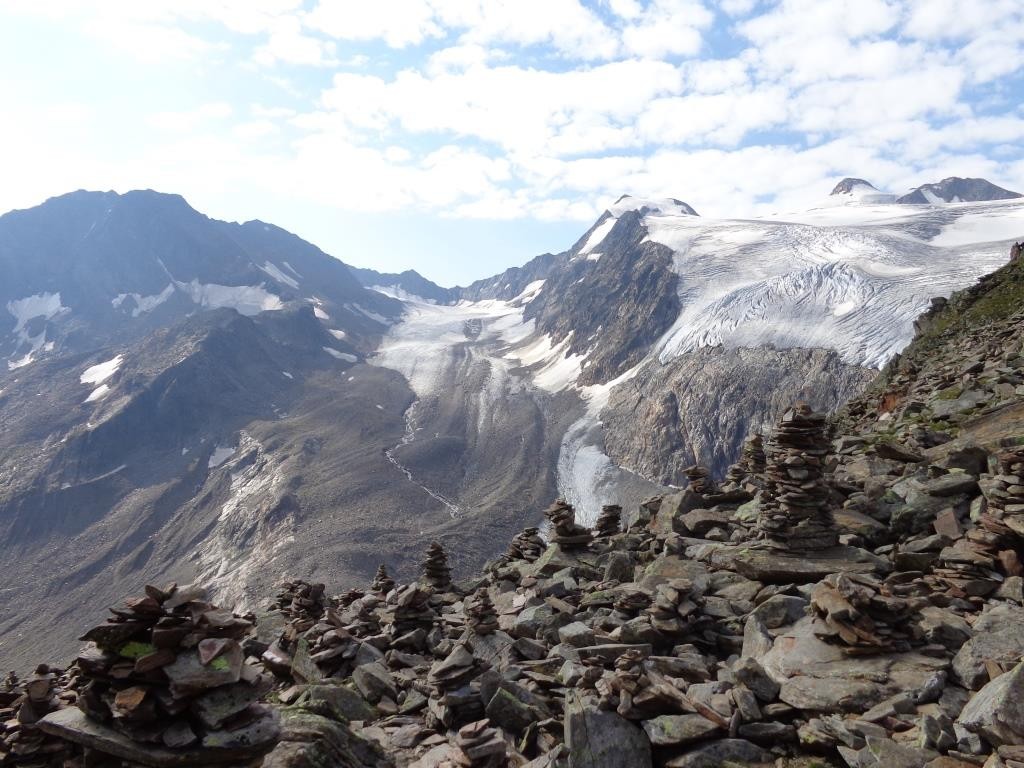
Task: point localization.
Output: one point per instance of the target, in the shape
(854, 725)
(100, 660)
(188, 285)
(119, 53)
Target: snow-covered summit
(668, 206)
(853, 190)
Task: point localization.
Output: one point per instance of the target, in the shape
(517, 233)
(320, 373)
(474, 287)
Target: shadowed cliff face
(699, 407)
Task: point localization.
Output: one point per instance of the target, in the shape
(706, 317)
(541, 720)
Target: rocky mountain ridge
(848, 594)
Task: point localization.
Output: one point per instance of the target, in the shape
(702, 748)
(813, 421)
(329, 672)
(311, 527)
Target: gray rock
(996, 712)
(753, 676)
(719, 753)
(619, 567)
(756, 640)
(375, 682)
(997, 637)
(189, 675)
(510, 713)
(576, 634)
(944, 627)
(600, 739)
(678, 730)
(780, 610)
(768, 734)
(342, 702)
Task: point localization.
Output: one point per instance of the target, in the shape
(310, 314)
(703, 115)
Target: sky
(461, 137)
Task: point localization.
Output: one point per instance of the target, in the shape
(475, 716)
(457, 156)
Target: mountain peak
(955, 189)
(665, 205)
(850, 184)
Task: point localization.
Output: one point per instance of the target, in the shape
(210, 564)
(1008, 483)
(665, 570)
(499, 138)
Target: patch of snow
(245, 299)
(275, 272)
(338, 334)
(398, 292)
(379, 407)
(97, 374)
(599, 234)
(530, 292)
(594, 256)
(97, 394)
(221, 453)
(662, 206)
(341, 355)
(45, 305)
(291, 269)
(368, 313)
(320, 314)
(184, 451)
(285, 373)
(143, 304)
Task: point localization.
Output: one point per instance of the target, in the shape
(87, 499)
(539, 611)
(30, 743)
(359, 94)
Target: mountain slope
(92, 268)
(408, 284)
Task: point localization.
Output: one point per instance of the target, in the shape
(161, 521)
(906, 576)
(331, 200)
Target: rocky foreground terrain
(850, 593)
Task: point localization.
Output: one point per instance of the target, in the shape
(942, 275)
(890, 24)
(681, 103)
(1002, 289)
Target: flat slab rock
(817, 676)
(776, 567)
(72, 724)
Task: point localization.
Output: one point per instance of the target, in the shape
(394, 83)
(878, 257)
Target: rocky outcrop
(956, 190)
(701, 406)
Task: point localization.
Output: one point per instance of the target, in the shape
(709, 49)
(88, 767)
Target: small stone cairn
(22, 706)
(382, 582)
(794, 510)
(856, 612)
(609, 522)
(481, 616)
(565, 532)
(526, 545)
(700, 479)
(436, 572)
(165, 679)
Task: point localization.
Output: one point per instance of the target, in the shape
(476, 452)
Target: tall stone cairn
(382, 582)
(480, 613)
(609, 521)
(794, 507)
(565, 532)
(436, 572)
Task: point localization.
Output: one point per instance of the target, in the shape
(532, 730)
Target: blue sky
(460, 137)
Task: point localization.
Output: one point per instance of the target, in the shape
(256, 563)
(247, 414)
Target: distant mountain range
(182, 397)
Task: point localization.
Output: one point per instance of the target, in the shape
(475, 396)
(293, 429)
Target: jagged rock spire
(609, 521)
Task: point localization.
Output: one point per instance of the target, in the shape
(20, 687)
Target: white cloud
(668, 27)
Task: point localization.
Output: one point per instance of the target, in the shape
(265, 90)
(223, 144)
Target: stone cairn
(481, 616)
(794, 509)
(382, 582)
(436, 572)
(609, 522)
(22, 706)
(970, 567)
(167, 675)
(752, 463)
(455, 701)
(857, 612)
(565, 532)
(412, 614)
(527, 545)
(700, 480)
(301, 602)
(673, 607)
(480, 746)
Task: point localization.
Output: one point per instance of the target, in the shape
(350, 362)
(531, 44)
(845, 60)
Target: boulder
(598, 738)
(678, 730)
(719, 753)
(996, 712)
(997, 637)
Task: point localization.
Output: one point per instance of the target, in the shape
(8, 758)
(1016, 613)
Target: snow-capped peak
(668, 206)
(853, 190)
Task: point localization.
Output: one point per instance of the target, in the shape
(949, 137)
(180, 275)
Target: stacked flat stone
(969, 567)
(302, 602)
(382, 582)
(794, 508)
(1005, 491)
(631, 601)
(480, 746)
(455, 698)
(436, 572)
(22, 706)
(481, 616)
(673, 607)
(526, 545)
(752, 462)
(167, 673)
(609, 521)
(411, 609)
(564, 530)
(700, 480)
(856, 612)
(347, 598)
